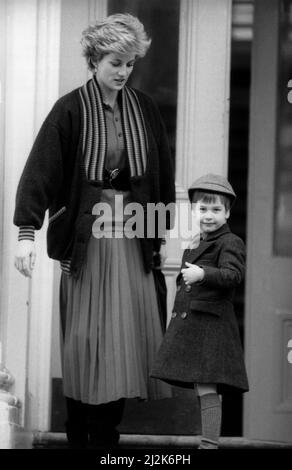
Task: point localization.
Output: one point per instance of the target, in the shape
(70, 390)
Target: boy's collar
(193, 254)
(213, 235)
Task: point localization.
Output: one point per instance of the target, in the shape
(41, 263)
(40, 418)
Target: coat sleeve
(42, 176)
(231, 266)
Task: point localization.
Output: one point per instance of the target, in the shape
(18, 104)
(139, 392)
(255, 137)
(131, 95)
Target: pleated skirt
(111, 329)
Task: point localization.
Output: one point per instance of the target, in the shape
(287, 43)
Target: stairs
(175, 443)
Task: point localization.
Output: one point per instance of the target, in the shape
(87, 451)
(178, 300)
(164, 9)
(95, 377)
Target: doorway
(232, 405)
(180, 414)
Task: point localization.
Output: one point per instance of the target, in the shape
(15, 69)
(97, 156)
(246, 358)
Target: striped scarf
(94, 142)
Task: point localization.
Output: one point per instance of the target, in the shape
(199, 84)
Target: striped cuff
(26, 232)
(66, 266)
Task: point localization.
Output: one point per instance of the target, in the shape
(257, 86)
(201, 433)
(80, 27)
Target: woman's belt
(118, 178)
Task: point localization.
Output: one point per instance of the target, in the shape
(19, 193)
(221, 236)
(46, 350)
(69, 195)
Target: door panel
(269, 277)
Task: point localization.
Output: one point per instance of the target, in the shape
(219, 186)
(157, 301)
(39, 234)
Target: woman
(100, 142)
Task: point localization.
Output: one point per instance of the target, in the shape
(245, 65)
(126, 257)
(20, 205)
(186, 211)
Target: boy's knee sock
(211, 412)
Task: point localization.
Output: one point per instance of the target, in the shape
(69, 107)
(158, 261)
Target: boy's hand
(192, 273)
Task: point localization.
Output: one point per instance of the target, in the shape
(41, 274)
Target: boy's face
(212, 215)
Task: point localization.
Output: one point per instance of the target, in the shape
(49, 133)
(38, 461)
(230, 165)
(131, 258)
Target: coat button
(173, 315)
(188, 288)
(184, 315)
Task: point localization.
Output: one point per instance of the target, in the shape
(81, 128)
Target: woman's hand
(25, 257)
(192, 273)
(163, 255)
(159, 258)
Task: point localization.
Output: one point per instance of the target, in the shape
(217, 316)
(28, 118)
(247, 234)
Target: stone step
(46, 440)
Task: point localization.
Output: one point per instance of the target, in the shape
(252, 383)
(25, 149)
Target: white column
(18, 105)
(97, 9)
(32, 76)
(203, 95)
(76, 16)
(41, 298)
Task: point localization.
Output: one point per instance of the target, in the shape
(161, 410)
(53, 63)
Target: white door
(268, 410)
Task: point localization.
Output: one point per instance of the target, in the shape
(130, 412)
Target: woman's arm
(40, 182)
(41, 178)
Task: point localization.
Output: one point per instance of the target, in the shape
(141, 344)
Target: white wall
(31, 87)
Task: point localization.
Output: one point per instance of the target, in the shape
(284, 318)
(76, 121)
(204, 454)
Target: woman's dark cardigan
(54, 178)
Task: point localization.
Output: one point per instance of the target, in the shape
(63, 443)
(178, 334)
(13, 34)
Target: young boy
(202, 347)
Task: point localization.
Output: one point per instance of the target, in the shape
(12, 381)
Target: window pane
(156, 73)
(283, 183)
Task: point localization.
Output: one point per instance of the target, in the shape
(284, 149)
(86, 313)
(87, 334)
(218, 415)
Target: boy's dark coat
(202, 343)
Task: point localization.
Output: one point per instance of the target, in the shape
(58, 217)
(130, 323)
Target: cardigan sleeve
(231, 266)
(26, 232)
(41, 178)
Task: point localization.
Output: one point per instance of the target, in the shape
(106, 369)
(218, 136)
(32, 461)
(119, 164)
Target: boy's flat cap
(212, 183)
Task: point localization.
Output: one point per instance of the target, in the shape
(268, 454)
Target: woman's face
(113, 71)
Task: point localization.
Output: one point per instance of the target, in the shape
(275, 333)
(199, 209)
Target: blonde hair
(119, 33)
